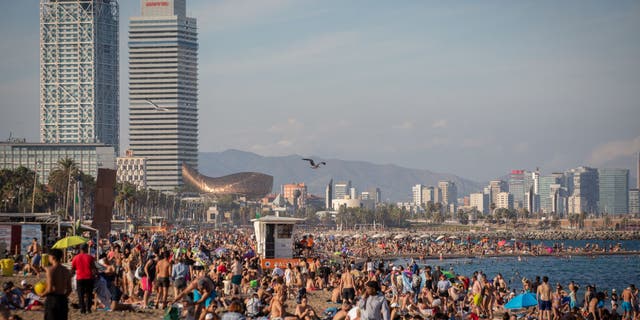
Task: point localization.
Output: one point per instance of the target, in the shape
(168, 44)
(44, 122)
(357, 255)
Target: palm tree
(60, 180)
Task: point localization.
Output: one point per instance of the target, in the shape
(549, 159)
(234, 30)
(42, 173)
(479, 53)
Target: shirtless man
(304, 311)
(347, 286)
(58, 288)
(627, 306)
(35, 252)
(543, 294)
(163, 280)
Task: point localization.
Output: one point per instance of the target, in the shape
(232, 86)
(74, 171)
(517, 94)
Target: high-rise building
(428, 194)
(614, 191)
(449, 191)
(517, 187)
(544, 191)
(416, 192)
(480, 201)
(79, 97)
(328, 195)
(163, 91)
(289, 193)
(496, 186)
(353, 193)
(132, 169)
(371, 194)
(504, 200)
(584, 197)
(638, 172)
(342, 189)
(634, 201)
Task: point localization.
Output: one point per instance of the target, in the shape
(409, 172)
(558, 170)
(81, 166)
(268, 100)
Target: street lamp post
(33, 196)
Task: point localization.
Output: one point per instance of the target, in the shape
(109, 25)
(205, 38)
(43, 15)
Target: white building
(416, 192)
(353, 203)
(79, 97)
(480, 201)
(132, 169)
(163, 91)
(504, 200)
(342, 189)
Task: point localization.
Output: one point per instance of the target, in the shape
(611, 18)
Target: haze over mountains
(395, 182)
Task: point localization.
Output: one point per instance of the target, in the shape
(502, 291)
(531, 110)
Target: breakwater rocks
(544, 235)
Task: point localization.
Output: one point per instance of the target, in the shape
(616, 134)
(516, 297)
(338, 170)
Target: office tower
(496, 186)
(437, 195)
(132, 169)
(289, 193)
(328, 195)
(480, 201)
(79, 97)
(342, 189)
(449, 192)
(614, 191)
(163, 91)
(504, 200)
(371, 194)
(416, 192)
(517, 187)
(428, 194)
(634, 201)
(545, 193)
(584, 197)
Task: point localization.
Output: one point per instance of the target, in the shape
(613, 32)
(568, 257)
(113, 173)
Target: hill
(394, 181)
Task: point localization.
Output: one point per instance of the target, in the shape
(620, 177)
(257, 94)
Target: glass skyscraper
(79, 97)
(163, 91)
(614, 191)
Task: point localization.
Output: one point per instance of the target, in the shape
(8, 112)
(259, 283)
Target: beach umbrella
(448, 274)
(549, 250)
(502, 243)
(69, 242)
(439, 238)
(398, 237)
(520, 301)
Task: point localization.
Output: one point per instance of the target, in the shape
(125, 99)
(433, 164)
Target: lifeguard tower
(274, 238)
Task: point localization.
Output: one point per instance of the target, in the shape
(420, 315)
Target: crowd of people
(217, 275)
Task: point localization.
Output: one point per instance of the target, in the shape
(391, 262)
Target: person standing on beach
(35, 252)
(347, 285)
(84, 266)
(56, 306)
(374, 305)
(543, 294)
(163, 272)
(627, 306)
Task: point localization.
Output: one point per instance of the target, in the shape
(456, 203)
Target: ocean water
(605, 272)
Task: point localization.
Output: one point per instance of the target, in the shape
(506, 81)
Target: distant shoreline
(498, 255)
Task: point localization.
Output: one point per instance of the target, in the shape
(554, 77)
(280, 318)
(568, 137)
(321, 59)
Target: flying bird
(155, 106)
(313, 164)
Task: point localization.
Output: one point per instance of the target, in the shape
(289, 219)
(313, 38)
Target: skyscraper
(545, 192)
(634, 201)
(79, 97)
(584, 197)
(614, 191)
(416, 192)
(328, 195)
(342, 189)
(496, 186)
(449, 193)
(163, 90)
(517, 187)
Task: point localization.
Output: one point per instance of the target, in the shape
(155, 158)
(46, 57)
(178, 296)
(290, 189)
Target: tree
(463, 217)
(60, 180)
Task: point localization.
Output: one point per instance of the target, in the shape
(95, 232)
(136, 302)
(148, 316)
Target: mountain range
(395, 182)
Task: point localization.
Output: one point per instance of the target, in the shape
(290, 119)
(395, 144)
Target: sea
(606, 272)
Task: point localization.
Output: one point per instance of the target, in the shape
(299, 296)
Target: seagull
(313, 164)
(155, 106)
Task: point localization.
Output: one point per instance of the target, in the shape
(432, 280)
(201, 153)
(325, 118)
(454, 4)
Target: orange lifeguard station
(274, 238)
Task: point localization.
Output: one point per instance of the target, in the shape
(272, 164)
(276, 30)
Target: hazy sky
(474, 88)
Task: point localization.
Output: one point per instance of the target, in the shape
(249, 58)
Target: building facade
(449, 192)
(585, 193)
(132, 169)
(342, 189)
(79, 80)
(44, 157)
(163, 91)
(480, 201)
(634, 201)
(495, 187)
(614, 191)
(504, 200)
(517, 187)
(289, 191)
(416, 192)
(328, 195)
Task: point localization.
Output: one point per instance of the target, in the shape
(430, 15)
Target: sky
(474, 88)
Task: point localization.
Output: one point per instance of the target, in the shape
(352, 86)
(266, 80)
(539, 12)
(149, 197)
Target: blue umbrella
(522, 301)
